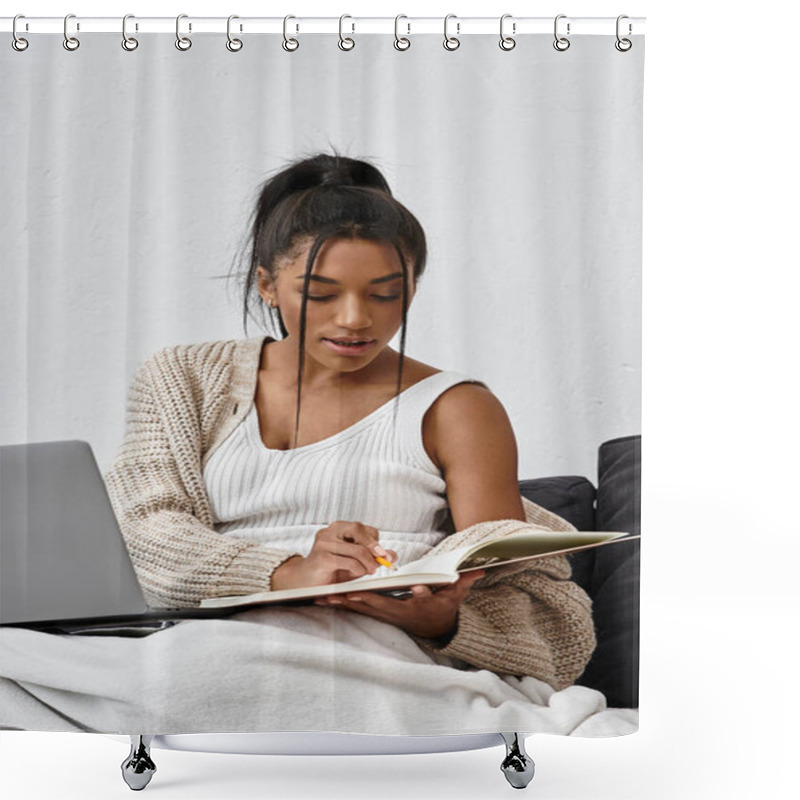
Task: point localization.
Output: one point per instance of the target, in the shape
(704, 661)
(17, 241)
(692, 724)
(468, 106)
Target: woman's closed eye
(381, 297)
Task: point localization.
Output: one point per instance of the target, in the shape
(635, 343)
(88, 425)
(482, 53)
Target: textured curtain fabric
(128, 178)
(127, 182)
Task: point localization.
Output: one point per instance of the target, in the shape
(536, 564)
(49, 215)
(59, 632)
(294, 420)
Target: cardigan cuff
(471, 634)
(250, 571)
(438, 642)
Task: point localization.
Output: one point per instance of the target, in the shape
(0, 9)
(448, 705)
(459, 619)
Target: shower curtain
(128, 175)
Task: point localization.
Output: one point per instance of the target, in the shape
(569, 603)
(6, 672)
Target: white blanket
(277, 669)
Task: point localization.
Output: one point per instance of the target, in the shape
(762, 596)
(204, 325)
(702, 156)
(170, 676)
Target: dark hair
(320, 198)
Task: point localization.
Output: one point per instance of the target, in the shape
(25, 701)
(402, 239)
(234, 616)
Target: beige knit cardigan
(184, 401)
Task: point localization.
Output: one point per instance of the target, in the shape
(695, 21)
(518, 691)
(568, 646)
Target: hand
(427, 614)
(341, 552)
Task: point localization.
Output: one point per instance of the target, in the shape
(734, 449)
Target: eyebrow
(321, 279)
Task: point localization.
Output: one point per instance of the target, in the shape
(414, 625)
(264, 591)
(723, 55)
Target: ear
(266, 288)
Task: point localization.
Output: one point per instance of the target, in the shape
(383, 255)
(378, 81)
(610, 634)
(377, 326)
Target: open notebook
(505, 553)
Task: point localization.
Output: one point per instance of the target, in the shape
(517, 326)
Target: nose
(353, 313)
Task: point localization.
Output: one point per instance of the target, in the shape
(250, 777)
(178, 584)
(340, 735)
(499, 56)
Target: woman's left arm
(473, 443)
(535, 622)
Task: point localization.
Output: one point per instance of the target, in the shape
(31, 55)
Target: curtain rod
(407, 26)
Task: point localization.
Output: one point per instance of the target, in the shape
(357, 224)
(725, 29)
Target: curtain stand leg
(517, 766)
(138, 768)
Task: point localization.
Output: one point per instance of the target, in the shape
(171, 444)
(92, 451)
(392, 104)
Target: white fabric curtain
(128, 178)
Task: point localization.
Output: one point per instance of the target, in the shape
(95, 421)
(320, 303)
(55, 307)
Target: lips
(349, 341)
(349, 346)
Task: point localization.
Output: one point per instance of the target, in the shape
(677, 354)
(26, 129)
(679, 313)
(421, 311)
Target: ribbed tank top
(374, 472)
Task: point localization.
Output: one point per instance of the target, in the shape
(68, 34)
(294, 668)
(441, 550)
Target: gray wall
(127, 179)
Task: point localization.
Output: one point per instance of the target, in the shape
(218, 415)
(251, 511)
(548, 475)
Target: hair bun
(335, 171)
(338, 177)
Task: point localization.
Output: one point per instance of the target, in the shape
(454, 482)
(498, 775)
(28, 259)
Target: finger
(358, 533)
(368, 536)
(355, 552)
(470, 579)
(464, 586)
(459, 590)
(464, 583)
(372, 599)
(340, 568)
(386, 607)
(338, 600)
(447, 591)
(349, 531)
(370, 604)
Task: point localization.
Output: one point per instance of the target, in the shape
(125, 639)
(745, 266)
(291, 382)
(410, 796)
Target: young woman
(296, 460)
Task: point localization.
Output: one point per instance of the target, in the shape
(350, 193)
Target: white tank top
(373, 472)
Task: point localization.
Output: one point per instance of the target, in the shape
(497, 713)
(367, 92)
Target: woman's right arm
(178, 556)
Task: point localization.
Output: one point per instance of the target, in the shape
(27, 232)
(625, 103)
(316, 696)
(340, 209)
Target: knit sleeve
(534, 621)
(178, 556)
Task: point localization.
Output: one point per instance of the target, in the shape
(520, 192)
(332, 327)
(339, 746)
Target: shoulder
(470, 400)
(476, 450)
(199, 373)
(468, 406)
(415, 371)
(195, 358)
(463, 421)
(187, 353)
(190, 382)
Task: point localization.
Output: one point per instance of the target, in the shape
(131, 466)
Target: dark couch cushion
(614, 581)
(569, 496)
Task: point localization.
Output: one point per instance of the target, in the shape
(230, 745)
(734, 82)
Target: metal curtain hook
(400, 42)
(507, 42)
(290, 45)
(346, 43)
(561, 43)
(234, 45)
(128, 42)
(18, 43)
(70, 42)
(182, 42)
(623, 45)
(451, 42)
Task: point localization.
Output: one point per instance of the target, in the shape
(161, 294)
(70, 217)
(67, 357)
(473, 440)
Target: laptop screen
(62, 555)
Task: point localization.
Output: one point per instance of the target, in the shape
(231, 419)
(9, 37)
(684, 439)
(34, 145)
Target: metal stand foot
(138, 768)
(517, 766)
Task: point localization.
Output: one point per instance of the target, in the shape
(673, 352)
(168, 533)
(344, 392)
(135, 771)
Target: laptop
(64, 566)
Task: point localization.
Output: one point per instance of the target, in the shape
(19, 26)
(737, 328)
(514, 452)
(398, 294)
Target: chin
(350, 363)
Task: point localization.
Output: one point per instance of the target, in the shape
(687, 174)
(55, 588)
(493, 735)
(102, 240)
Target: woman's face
(355, 293)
